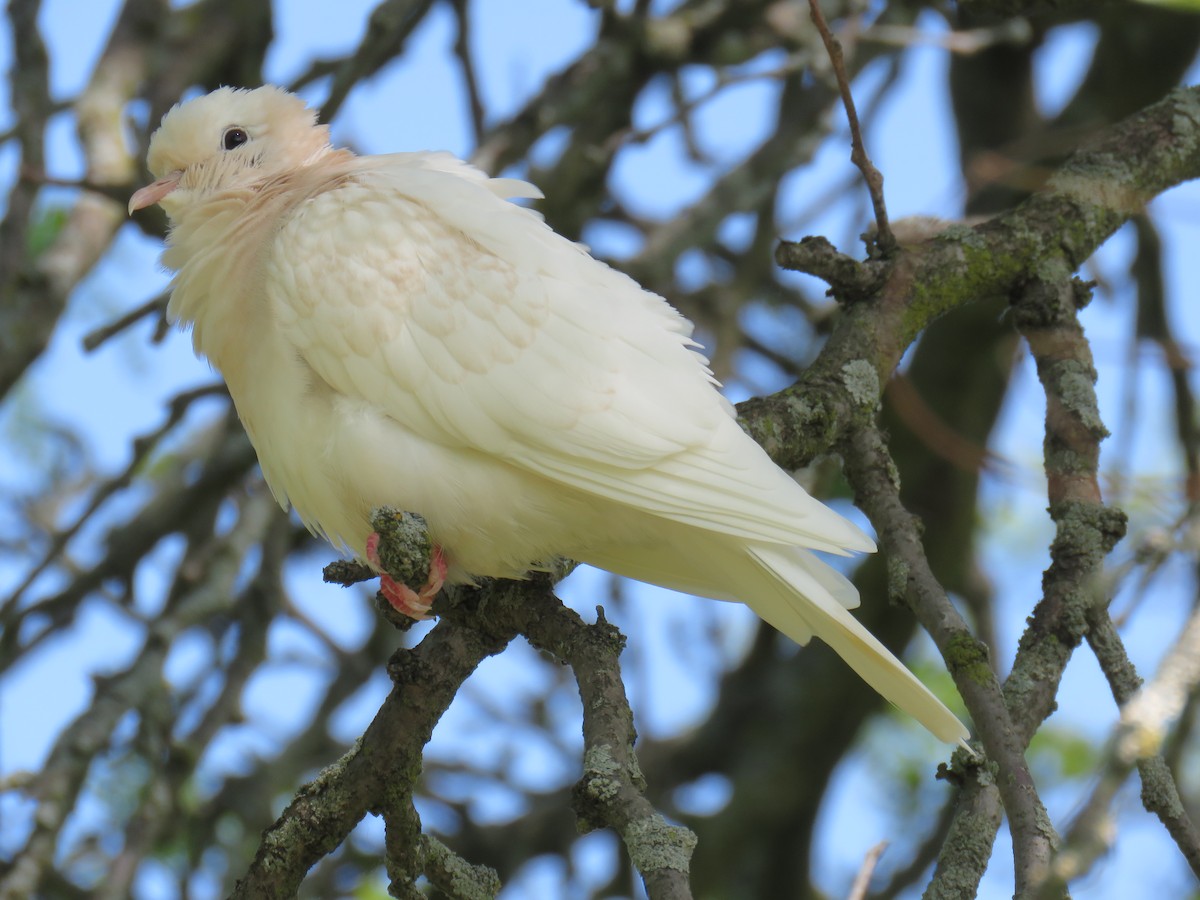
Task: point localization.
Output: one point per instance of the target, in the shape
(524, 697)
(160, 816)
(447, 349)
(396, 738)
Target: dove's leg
(414, 604)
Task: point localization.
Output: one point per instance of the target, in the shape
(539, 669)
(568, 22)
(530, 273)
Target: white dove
(395, 333)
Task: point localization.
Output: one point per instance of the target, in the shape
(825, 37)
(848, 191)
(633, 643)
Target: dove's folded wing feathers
(457, 311)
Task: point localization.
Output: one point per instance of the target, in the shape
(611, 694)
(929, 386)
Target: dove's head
(230, 139)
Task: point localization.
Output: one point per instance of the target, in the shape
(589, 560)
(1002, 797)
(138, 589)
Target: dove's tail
(798, 594)
(802, 596)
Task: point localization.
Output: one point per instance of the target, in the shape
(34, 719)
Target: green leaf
(45, 229)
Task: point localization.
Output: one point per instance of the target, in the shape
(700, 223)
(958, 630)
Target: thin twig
(683, 107)
(858, 153)
(462, 49)
(118, 192)
(391, 24)
(143, 446)
(924, 855)
(98, 336)
(858, 890)
(1146, 713)
(1145, 716)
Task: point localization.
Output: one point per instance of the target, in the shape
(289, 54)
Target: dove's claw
(414, 604)
(373, 551)
(437, 572)
(404, 599)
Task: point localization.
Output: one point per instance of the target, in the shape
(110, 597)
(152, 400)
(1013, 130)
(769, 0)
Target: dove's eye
(234, 137)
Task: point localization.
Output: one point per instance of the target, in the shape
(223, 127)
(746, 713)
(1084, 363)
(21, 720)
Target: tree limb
(1093, 194)
(610, 793)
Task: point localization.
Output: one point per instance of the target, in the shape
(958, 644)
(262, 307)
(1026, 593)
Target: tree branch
(870, 469)
(28, 310)
(1093, 194)
(1045, 314)
(1146, 713)
(1050, 234)
(380, 770)
(390, 25)
(610, 793)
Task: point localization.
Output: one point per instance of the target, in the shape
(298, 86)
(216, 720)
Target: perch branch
(610, 793)
(384, 763)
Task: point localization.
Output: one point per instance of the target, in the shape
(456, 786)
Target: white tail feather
(794, 591)
(806, 597)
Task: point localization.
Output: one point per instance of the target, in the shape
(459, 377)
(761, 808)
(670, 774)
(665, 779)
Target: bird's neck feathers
(217, 246)
(216, 257)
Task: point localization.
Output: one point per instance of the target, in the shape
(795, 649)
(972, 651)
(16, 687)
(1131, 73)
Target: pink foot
(414, 604)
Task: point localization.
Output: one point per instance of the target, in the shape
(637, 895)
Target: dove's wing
(414, 285)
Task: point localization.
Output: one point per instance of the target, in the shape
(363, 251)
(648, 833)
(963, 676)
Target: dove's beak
(153, 192)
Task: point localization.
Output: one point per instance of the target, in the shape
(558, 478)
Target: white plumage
(394, 332)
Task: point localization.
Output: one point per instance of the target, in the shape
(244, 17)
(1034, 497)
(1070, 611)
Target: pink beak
(153, 192)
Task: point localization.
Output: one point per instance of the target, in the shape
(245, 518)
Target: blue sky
(417, 103)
